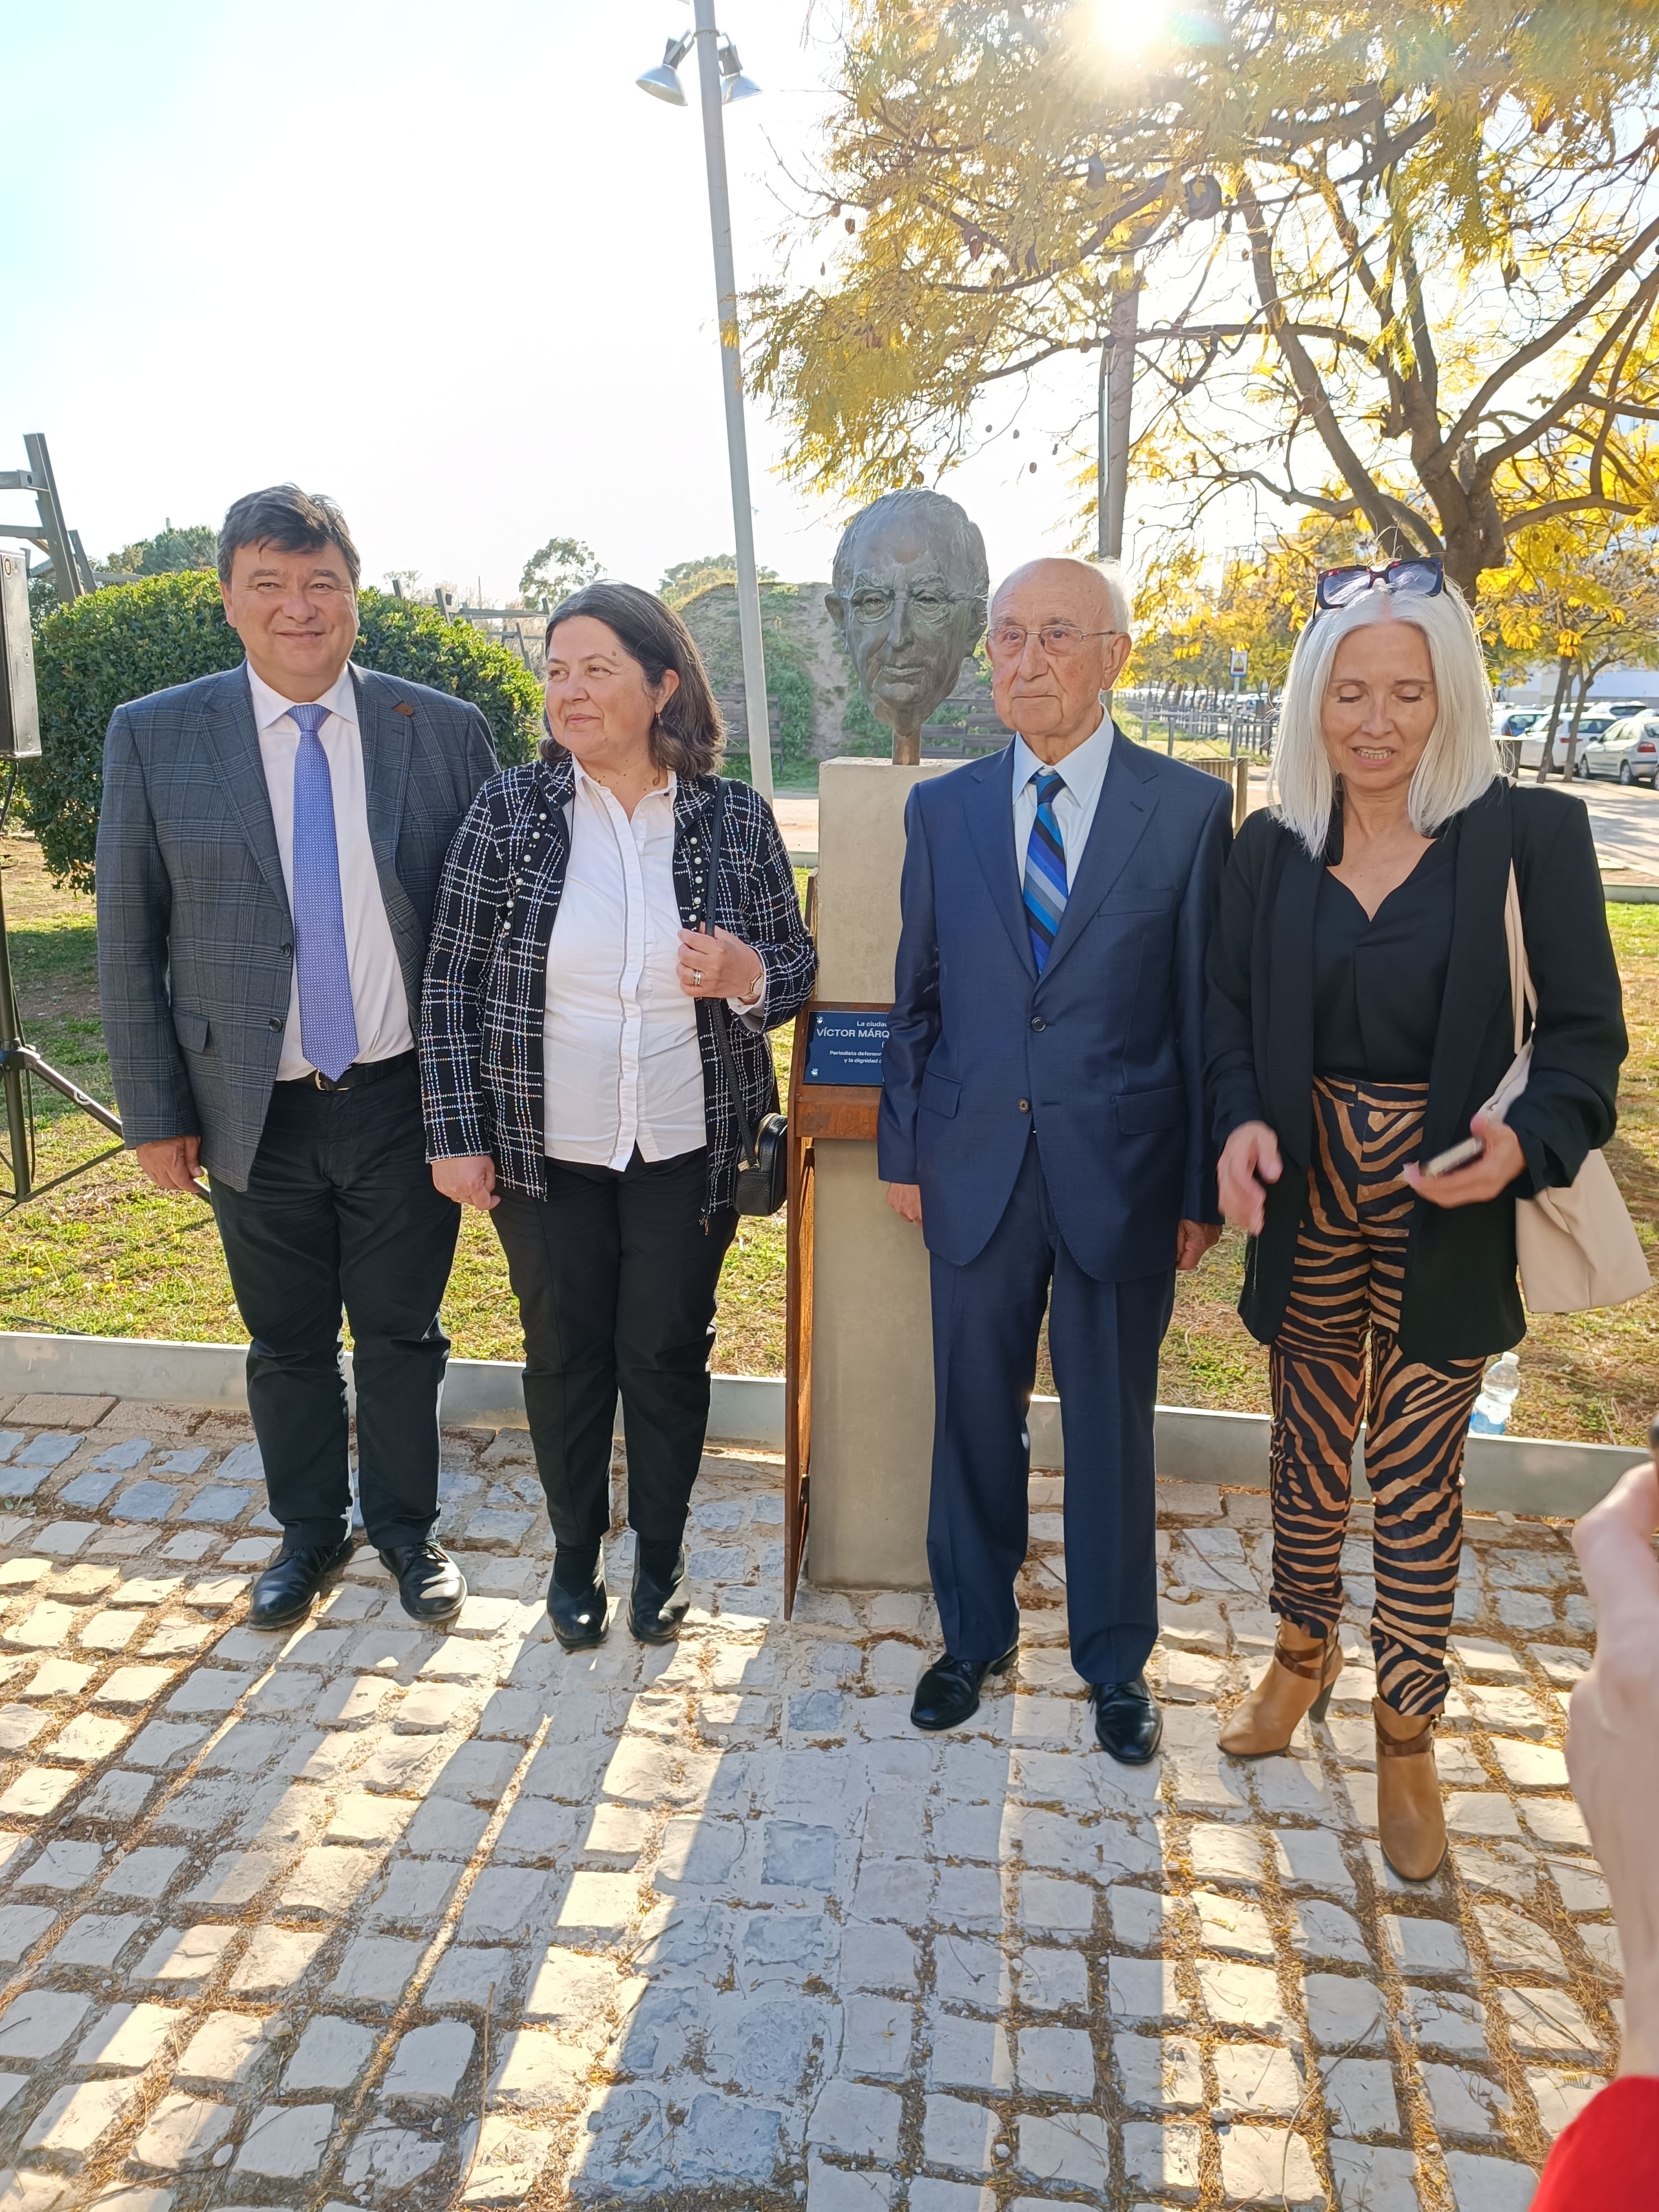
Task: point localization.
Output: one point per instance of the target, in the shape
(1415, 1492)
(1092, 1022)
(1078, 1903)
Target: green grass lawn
(107, 1255)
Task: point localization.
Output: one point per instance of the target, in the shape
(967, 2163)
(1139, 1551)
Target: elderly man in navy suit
(1042, 1120)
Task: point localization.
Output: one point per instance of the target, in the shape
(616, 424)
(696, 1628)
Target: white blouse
(622, 1064)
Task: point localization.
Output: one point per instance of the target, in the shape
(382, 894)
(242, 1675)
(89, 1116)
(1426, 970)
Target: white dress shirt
(1084, 771)
(378, 998)
(622, 1064)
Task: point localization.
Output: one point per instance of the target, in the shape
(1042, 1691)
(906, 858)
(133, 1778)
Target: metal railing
(1241, 726)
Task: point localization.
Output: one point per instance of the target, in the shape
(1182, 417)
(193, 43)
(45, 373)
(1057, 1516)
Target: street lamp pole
(1116, 405)
(736, 442)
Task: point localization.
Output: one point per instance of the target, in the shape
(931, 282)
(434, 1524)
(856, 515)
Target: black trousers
(1103, 1339)
(616, 1277)
(340, 1213)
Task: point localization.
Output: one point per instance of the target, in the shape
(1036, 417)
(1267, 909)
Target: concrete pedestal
(873, 1384)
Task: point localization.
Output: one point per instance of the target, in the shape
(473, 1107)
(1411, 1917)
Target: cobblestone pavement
(282, 1916)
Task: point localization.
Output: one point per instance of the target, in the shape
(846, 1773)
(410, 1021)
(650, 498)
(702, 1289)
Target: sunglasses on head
(1422, 579)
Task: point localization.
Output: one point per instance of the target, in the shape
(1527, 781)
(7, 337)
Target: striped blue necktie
(1045, 869)
(328, 1022)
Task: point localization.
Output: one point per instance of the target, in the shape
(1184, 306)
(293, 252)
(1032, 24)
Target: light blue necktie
(1045, 869)
(328, 1023)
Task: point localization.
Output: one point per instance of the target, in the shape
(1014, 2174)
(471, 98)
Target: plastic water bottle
(1497, 1395)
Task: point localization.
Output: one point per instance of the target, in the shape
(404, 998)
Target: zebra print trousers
(1336, 1358)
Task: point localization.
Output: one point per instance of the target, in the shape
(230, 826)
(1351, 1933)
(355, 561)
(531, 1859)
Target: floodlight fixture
(735, 83)
(663, 82)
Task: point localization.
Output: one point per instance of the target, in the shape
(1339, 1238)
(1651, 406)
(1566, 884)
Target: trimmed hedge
(121, 643)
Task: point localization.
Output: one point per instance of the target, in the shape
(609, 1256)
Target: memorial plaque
(844, 1047)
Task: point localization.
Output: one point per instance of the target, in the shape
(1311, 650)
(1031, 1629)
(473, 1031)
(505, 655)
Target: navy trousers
(1103, 1340)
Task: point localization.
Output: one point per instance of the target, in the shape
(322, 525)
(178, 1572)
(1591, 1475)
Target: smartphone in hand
(1456, 1156)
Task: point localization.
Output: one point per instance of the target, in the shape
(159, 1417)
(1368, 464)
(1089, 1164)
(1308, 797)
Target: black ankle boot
(578, 1604)
(657, 1601)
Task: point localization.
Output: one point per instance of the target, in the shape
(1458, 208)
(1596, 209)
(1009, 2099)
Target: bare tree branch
(1546, 341)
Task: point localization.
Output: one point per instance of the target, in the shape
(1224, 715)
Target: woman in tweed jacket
(572, 1082)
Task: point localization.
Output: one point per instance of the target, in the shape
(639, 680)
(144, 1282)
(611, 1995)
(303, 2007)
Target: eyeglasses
(1420, 579)
(1007, 640)
(873, 603)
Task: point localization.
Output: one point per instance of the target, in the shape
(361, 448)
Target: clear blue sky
(446, 263)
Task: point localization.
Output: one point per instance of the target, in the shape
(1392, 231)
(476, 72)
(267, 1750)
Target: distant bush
(124, 642)
(791, 689)
(867, 733)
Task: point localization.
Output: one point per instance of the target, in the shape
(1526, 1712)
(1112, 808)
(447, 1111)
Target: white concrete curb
(1513, 1474)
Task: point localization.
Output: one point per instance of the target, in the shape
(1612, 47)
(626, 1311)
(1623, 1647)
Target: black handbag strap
(718, 1012)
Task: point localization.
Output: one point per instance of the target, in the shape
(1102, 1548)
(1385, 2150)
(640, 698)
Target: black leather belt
(361, 1072)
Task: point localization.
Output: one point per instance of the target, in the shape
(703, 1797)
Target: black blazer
(1460, 1299)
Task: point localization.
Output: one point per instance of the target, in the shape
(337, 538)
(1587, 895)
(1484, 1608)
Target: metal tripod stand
(20, 739)
(19, 1067)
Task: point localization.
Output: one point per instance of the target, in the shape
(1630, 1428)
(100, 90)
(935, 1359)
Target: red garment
(1608, 2159)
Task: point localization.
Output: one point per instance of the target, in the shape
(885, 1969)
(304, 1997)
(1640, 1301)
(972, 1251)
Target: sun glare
(1133, 26)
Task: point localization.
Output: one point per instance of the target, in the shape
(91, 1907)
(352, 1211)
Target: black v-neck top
(1379, 982)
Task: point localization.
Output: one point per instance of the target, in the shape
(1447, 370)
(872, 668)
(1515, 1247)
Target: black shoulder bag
(763, 1182)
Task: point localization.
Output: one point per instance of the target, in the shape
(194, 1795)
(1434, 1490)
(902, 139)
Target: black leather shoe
(656, 1609)
(432, 1586)
(288, 1589)
(948, 1694)
(579, 1618)
(1127, 1722)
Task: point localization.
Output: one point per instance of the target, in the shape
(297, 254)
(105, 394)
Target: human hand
(468, 1179)
(719, 966)
(172, 1164)
(905, 1198)
(1192, 1240)
(1248, 1159)
(1494, 1171)
(1612, 1736)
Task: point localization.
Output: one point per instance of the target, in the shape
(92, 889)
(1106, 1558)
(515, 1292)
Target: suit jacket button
(287, 952)
(276, 1021)
(1024, 1105)
(1037, 1022)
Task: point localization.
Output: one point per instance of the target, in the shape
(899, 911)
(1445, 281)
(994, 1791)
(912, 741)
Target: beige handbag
(1578, 1246)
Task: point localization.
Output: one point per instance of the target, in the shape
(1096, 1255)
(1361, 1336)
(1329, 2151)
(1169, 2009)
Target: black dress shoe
(948, 1694)
(655, 1609)
(432, 1586)
(1127, 1722)
(288, 1589)
(579, 1617)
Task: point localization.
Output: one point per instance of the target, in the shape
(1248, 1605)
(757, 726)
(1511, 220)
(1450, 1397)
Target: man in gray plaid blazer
(269, 852)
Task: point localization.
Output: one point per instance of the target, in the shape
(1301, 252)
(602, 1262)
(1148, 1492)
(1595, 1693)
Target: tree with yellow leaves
(1588, 599)
(1404, 254)
(1188, 628)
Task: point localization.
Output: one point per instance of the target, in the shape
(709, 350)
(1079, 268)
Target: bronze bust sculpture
(907, 593)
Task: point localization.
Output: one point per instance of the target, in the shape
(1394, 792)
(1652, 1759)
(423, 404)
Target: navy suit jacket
(1103, 1054)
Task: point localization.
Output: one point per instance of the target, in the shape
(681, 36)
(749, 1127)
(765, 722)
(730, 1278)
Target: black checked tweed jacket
(485, 1000)
(195, 935)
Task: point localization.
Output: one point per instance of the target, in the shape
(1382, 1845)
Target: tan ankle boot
(1297, 1682)
(1411, 1821)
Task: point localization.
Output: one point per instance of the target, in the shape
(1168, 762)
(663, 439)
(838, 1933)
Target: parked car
(1621, 709)
(1628, 749)
(1516, 721)
(1591, 726)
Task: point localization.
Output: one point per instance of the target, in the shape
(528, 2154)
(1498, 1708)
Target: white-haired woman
(1358, 1018)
